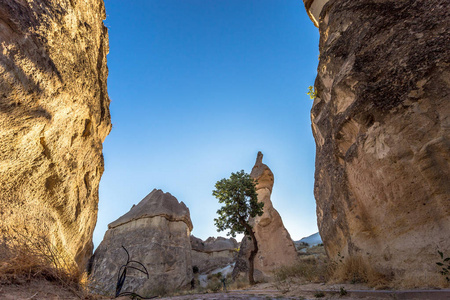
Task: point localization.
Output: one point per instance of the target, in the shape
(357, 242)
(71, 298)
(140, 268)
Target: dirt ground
(44, 290)
(36, 290)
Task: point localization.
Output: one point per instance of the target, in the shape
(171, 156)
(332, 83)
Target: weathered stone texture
(275, 246)
(54, 116)
(381, 122)
(213, 253)
(156, 233)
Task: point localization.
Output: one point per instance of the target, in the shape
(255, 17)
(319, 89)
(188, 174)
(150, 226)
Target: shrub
(444, 266)
(214, 285)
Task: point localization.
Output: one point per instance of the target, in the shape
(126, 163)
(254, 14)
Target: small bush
(214, 285)
(444, 266)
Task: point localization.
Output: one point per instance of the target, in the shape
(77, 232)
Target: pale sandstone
(275, 246)
(156, 233)
(382, 124)
(213, 253)
(54, 116)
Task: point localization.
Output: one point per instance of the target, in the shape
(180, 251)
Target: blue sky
(197, 88)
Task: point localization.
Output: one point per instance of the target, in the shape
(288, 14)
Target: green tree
(238, 194)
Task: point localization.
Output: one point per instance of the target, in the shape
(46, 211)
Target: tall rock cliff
(381, 121)
(156, 233)
(54, 116)
(275, 246)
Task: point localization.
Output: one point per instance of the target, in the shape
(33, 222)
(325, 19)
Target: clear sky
(197, 88)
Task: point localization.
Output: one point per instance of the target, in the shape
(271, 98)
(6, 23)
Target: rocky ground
(40, 290)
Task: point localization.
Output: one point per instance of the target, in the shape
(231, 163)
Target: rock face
(213, 253)
(155, 233)
(381, 122)
(54, 116)
(275, 246)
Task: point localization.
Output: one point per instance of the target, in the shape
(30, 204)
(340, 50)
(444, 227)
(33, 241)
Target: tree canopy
(238, 194)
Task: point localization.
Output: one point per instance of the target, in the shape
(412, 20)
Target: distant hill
(312, 240)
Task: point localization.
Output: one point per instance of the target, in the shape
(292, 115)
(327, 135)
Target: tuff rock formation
(381, 122)
(275, 246)
(156, 233)
(213, 253)
(54, 116)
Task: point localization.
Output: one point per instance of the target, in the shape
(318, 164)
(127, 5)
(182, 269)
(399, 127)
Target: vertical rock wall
(54, 116)
(381, 122)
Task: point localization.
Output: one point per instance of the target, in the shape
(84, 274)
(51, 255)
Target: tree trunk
(251, 258)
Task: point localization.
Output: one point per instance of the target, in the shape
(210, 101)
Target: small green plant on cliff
(444, 264)
(238, 194)
(312, 93)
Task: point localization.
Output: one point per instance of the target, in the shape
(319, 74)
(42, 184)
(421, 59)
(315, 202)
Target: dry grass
(419, 281)
(305, 269)
(30, 257)
(309, 269)
(354, 269)
(313, 266)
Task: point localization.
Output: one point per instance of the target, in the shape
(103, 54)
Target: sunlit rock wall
(54, 116)
(381, 122)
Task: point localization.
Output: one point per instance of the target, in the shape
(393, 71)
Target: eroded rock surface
(213, 253)
(381, 122)
(156, 233)
(54, 116)
(275, 246)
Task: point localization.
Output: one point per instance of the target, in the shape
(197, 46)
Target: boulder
(381, 122)
(54, 116)
(156, 234)
(214, 253)
(275, 246)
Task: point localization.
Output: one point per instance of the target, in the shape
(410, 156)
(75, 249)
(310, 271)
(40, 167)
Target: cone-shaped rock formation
(276, 247)
(156, 233)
